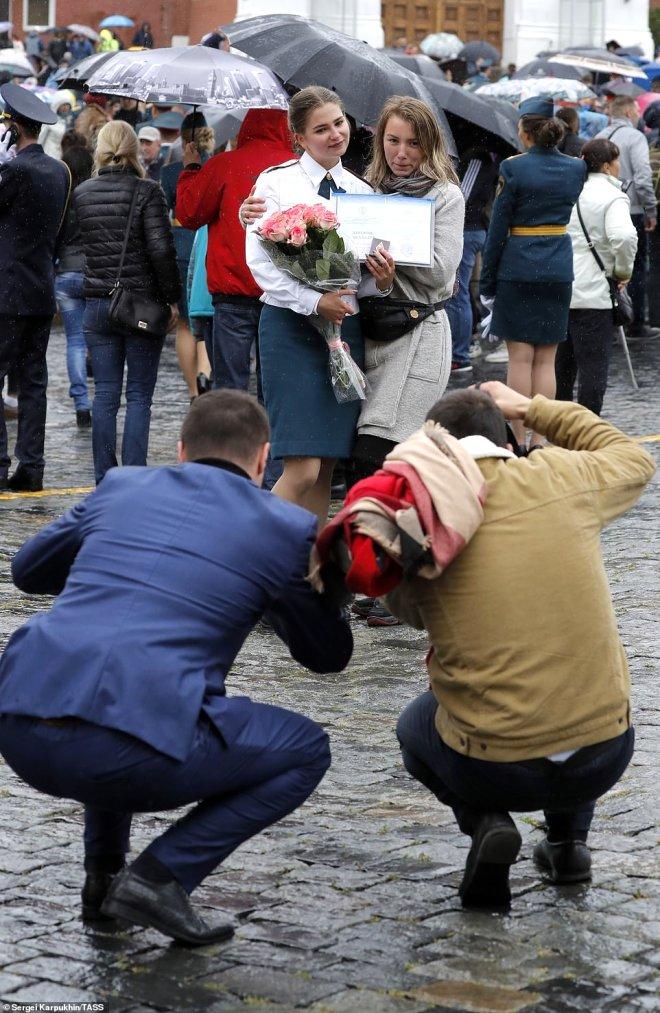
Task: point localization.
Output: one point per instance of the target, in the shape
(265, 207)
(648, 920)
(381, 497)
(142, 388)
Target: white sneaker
(499, 355)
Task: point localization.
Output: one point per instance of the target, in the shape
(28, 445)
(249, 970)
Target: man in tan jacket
(528, 706)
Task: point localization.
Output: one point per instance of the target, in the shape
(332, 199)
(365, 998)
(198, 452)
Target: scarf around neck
(416, 185)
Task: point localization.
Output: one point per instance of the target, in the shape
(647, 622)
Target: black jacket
(70, 252)
(478, 176)
(33, 193)
(102, 205)
(572, 144)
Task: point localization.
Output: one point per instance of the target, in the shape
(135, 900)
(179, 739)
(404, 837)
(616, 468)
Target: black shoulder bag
(622, 307)
(387, 319)
(133, 310)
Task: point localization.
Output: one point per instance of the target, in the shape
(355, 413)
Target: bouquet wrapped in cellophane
(303, 242)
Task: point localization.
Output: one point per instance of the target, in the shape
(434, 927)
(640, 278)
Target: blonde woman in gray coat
(408, 375)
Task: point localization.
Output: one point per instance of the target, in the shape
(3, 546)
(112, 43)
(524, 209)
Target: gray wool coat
(407, 376)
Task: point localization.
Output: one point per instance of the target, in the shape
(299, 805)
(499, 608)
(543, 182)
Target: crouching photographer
(529, 703)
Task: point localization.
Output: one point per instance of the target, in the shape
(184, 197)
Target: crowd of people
(143, 228)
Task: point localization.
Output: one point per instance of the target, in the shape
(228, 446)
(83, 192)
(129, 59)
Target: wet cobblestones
(349, 905)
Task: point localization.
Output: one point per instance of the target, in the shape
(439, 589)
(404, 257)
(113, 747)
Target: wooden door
(469, 19)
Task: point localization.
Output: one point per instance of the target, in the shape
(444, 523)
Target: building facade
(519, 28)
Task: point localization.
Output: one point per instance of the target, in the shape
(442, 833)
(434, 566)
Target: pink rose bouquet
(303, 242)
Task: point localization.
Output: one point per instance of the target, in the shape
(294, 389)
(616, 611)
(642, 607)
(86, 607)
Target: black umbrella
(78, 73)
(479, 50)
(465, 111)
(547, 68)
(303, 52)
(423, 66)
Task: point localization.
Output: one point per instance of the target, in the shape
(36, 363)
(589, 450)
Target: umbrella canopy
(84, 30)
(6, 26)
(531, 87)
(303, 52)
(423, 66)
(479, 50)
(597, 65)
(652, 70)
(441, 45)
(547, 68)
(78, 73)
(622, 88)
(13, 62)
(190, 75)
(117, 21)
(465, 110)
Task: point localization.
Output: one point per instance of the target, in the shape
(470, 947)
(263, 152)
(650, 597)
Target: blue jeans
(235, 330)
(71, 304)
(275, 763)
(566, 792)
(109, 350)
(459, 308)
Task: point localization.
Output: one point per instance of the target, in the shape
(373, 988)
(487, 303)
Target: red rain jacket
(211, 195)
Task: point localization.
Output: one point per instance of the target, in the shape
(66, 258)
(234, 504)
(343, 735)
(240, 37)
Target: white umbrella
(441, 45)
(517, 91)
(190, 75)
(588, 63)
(84, 30)
(15, 62)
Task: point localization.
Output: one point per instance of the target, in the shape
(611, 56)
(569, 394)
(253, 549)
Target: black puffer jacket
(102, 205)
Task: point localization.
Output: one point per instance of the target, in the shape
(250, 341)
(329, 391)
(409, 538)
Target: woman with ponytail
(528, 259)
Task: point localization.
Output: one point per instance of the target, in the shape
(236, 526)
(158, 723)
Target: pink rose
(298, 235)
(327, 220)
(312, 214)
(274, 228)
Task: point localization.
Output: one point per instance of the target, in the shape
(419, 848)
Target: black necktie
(328, 187)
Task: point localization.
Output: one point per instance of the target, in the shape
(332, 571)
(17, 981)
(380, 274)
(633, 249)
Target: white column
(254, 8)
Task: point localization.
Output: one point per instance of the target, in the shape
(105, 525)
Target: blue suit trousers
(274, 765)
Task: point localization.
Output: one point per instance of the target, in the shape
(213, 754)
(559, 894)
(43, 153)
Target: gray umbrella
(190, 75)
(423, 66)
(479, 50)
(78, 73)
(303, 52)
(626, 88)
(548, 68)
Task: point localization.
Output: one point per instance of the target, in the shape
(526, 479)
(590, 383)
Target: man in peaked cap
(34, 190)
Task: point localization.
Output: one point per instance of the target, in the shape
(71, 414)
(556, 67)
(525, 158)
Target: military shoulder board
(284, 165)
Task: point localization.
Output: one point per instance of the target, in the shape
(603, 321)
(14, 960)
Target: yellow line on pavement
(71, 491)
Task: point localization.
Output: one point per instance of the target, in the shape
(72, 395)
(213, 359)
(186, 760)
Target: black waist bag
(388, 319)
(135, 311)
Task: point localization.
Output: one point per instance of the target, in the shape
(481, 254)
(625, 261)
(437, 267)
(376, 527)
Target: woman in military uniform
(528, 258)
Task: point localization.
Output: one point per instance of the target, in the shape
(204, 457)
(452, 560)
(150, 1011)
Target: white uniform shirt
(282, 187)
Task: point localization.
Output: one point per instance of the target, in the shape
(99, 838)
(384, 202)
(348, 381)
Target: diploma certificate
(407, 223)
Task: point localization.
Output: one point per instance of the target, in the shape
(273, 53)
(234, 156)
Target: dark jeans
(273, 766)
(566, 792)
(110, 350)
(638, 281)
(71, 304)
(459, 307)
(23, 344)
(235, 330)
(585, 354)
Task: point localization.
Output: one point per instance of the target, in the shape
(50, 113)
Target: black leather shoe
(162, 906)
(94, 893)
(84, 419)
(24, 480)
(495, 846)
(564, 862)
(380, 616)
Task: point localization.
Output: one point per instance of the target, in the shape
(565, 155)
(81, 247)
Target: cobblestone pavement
(350, 904)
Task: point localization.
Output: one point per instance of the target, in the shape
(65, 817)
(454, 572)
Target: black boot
(495, 846)
(26, 480)
(84, 418)
(162, 906)
(563, 862)
(94, 893)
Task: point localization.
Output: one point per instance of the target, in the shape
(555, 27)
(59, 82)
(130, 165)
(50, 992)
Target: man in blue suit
(116, 696)
(34, 189)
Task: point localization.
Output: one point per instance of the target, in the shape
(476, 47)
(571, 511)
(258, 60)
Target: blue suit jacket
(34, 189)
(537, 188)
(161, 573)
